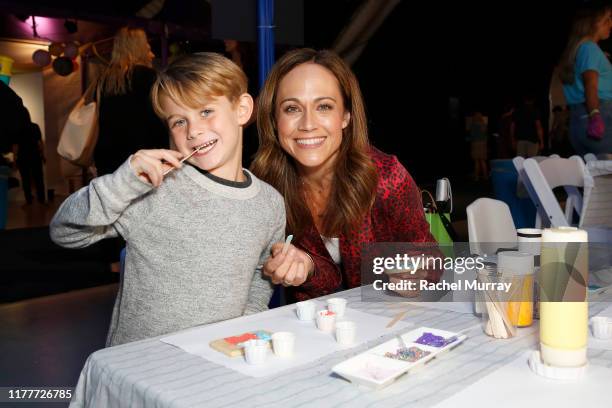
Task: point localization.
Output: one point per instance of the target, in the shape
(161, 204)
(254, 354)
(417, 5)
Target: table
(150, 373)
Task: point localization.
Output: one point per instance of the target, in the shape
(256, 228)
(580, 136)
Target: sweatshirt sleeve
(96, 211)
(261, 287)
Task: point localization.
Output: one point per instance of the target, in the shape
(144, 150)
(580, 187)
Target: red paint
(241, 339)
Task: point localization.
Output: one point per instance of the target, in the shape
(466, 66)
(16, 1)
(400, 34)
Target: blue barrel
(504, 178)
(4, 175)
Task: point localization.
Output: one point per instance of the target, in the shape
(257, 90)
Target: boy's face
(218, 125)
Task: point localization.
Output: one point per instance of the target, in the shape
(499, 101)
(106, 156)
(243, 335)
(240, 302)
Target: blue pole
(265, 36)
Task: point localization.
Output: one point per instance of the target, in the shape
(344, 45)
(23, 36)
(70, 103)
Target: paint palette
(232, 346)
(380, 366)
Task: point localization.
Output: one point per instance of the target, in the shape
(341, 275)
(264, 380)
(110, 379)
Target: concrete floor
(45, 341)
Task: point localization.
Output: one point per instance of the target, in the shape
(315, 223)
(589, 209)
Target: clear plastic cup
(499, 311)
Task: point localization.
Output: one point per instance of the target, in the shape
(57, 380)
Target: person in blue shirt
(586, 74)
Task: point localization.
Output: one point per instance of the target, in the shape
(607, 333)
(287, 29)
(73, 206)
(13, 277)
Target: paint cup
(255, 351)
(326, 321)
(345, 333)
(602, 327)
(283, 343)
(305, 310)
(337, 305)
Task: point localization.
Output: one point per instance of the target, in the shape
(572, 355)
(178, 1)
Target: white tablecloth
(150, 373)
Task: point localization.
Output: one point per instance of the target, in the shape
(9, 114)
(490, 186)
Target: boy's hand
(149, 165)
(289, 269)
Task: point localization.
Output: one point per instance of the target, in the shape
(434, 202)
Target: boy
(196, 237)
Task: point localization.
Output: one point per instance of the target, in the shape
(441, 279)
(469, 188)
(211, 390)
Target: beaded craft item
(410, 354)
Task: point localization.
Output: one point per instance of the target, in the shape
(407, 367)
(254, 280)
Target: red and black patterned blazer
(397, 216)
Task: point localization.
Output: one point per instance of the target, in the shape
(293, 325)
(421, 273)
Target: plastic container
(602, 327)
(256, 351)
(519, 264)
(305, 310)
(283, 343)
(337, 305)
(326, 321)
(346, 332)
(499, 318)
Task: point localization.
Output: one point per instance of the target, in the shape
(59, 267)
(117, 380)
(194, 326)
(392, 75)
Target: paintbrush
(184, 159)
(286, 246)
(283, 251)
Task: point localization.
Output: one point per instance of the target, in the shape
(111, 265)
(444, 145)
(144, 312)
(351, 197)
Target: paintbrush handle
(397, 318)
(182, 160)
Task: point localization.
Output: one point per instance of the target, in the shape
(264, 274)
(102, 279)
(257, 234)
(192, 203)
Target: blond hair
(355, 177)
(130, 48)
(584, 26)
(191, 81)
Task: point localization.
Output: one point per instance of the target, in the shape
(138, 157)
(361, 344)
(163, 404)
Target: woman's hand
(289, 269)
(596, 127)
(150, 165)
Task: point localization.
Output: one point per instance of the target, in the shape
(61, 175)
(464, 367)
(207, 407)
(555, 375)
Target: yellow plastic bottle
(564, 306)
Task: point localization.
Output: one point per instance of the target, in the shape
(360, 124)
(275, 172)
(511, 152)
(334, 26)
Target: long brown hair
(354, 184)
(130, 48)
(584, 26)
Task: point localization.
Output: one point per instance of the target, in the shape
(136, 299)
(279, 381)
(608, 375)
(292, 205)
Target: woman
(340, 193)
(127, 121)
(586, 75)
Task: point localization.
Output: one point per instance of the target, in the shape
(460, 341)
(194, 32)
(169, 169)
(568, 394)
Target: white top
(333, 247)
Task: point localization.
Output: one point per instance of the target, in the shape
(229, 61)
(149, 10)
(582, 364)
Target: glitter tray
(373, 369)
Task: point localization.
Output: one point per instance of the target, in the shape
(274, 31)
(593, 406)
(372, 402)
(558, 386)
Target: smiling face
(310, 116)
(217, 125)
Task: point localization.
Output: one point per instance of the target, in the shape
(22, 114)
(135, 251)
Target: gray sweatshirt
(194, 246)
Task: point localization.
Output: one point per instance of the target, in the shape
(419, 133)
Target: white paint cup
(326, 321)
(337, 305)
(305, 310)
(283, 343)
(255, 351)
(345, 333)
(601, 327)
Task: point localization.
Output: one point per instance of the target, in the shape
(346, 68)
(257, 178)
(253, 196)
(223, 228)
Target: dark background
(484, 54)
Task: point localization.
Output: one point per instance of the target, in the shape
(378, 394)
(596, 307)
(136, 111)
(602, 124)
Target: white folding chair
(597, 208)
(523, 182)
(490, 226)
(552, 173)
